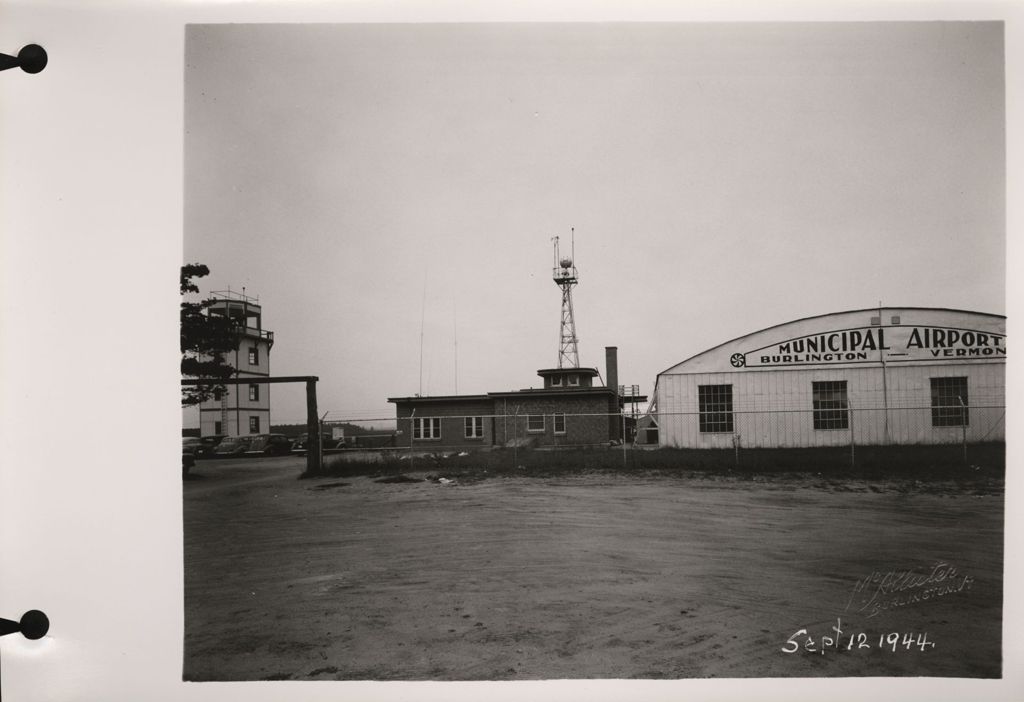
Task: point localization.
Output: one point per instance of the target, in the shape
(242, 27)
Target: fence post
(320, 439)
(623, 415)
(736, 448)
(963, 426)
(853, 450)
(515, 437)
(412, 429)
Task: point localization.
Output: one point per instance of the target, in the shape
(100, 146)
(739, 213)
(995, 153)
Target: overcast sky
(721, 178)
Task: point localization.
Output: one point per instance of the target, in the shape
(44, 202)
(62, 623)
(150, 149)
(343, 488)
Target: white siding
(773, 407)
(235, 420)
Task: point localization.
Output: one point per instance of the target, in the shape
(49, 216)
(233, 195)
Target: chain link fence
(953, 435)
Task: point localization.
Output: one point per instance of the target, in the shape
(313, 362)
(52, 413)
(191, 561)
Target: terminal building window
(949, 402)
(559, 421)
(535, 422)
(831, 408)
(426, 428)
(474, 427)
(715, 408)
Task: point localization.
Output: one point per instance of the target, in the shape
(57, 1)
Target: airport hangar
(890, 375)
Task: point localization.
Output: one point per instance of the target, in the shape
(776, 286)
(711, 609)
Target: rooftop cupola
(568, 378)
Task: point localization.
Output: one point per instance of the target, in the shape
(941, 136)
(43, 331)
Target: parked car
(269, 445)
(299, 444)
(192, 445)
(329, 443)
(232, 446)
(210, 443)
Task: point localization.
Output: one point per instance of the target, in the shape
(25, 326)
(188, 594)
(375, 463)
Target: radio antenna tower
(565, 276)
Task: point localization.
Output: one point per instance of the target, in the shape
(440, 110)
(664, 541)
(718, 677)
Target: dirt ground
(593, 576)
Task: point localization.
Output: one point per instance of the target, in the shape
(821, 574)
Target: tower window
(254, 356)
(574, 379)
(556, 381)
(254, 393)
(254, 425)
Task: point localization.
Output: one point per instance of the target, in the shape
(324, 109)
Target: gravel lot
(586, 576)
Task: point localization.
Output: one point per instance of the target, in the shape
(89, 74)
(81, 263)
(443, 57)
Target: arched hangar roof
(854, 332)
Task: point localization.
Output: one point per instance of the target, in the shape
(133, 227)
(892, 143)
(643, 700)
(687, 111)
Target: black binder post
(33, 625)
(31, 59)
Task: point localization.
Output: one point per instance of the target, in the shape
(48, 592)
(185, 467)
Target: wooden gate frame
(314, 463)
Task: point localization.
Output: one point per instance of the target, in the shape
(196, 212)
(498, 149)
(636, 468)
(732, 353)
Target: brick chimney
(611, 363)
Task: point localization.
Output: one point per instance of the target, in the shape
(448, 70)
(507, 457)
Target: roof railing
(229, 294)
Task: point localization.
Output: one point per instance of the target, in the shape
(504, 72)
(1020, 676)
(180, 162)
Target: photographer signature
(881, 591)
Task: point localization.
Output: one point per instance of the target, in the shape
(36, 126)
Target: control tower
(244, 408)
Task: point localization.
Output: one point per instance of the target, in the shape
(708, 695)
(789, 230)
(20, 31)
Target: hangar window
(715, 408)
(535, 422)
(426, 428)
(831, 409)
(949, 402)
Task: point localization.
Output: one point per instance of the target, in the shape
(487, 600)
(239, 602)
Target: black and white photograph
(594, 350)
(549, 350)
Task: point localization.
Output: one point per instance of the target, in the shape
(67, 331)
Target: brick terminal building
(570, 410)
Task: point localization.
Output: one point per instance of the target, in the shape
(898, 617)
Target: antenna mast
(565, 276)
(423, 319)
(455, 339)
